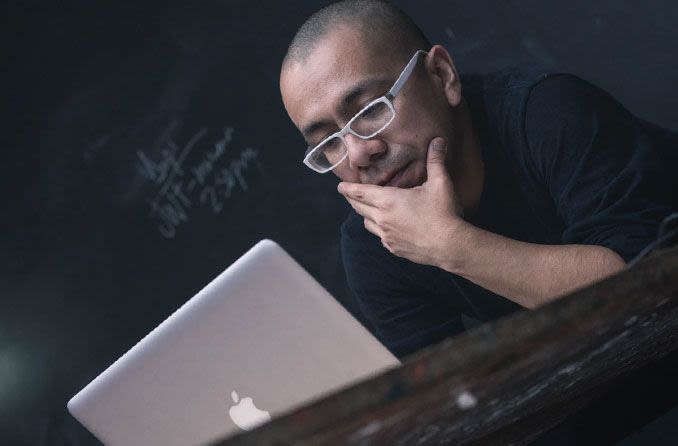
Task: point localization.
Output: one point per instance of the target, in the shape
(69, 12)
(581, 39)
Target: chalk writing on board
(208, 181)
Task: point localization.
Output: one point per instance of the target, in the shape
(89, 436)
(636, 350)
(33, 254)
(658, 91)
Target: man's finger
(362, 208)
(436, 166)
(366, 193)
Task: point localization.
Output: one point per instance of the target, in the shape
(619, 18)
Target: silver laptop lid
(262, 338)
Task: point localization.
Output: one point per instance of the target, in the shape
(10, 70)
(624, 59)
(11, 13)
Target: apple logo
(245, 414)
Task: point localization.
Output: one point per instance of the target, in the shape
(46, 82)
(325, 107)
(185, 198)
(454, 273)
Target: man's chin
(411, 185)
(413, 176)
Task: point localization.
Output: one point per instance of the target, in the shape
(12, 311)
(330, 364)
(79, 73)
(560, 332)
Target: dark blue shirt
(564, 163)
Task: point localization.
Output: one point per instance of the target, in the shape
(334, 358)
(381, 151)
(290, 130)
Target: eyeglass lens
(368, 123)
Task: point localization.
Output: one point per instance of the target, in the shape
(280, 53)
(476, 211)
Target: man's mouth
(393, 178)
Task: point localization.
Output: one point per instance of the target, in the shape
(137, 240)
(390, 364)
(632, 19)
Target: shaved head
(351, 53)
(381, 24)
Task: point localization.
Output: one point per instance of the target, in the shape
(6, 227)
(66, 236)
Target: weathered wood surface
(505, 382)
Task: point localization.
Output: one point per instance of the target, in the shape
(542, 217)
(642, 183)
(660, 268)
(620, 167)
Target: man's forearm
(527, 273)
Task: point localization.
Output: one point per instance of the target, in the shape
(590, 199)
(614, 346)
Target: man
(482, 200)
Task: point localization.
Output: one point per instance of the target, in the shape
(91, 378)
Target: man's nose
(363, 152)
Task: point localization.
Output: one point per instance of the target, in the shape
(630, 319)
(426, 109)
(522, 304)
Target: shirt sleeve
(603, 167)
(392, 293)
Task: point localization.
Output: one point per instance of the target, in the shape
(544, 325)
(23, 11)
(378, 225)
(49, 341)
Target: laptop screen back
(262, 338)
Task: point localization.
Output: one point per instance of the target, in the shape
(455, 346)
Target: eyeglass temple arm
(405, 74)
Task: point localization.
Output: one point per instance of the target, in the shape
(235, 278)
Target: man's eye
(322, 139)
(332, 142)
(376, 111)
(368, 112)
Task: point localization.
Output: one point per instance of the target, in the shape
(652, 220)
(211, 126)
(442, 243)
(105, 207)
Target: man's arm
(424, 224)
(527, 273)
(603, 170)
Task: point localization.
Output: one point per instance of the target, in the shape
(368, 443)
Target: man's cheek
(418, 137)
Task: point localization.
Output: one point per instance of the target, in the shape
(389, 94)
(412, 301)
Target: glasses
(368, 123)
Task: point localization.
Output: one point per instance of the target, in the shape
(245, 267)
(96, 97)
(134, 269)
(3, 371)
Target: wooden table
(505, 382)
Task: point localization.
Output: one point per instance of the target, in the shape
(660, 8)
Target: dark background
(106, 233)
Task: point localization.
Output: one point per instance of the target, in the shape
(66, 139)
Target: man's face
(341, 76)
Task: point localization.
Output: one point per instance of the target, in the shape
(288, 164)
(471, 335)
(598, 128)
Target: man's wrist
(456, 245)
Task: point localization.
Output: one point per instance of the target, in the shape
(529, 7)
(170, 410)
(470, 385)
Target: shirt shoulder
(499, 103)
(502, 93)
(521, 111)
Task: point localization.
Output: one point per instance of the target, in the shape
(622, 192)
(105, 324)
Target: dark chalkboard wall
(146, 148)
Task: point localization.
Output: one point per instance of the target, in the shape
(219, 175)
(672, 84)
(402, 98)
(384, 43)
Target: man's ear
(439, 65)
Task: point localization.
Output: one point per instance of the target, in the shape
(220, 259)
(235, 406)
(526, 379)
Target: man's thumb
(435, 162)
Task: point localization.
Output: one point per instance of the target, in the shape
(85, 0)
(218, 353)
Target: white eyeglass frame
(387, 99)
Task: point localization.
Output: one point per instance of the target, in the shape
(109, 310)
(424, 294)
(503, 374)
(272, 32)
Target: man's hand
(412, 223)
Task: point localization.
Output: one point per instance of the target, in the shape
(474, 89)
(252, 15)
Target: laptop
(261, 339)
